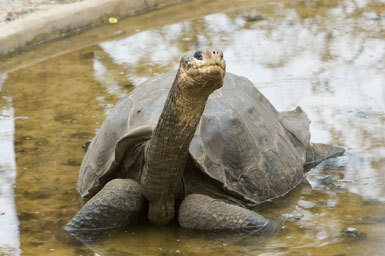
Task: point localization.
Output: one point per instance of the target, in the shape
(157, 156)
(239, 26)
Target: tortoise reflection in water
(198, 144)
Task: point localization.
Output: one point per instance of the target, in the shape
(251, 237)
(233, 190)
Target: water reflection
(325, 61)
(326, 56)
(9, 232)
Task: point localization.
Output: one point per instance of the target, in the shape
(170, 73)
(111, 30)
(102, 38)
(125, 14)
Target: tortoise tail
(318, 152)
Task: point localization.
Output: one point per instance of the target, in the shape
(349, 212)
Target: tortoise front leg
(202, 212)
(119, 203)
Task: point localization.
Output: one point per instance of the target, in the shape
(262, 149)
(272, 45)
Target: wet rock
(292, 216)
(353, 233)
(306, 204)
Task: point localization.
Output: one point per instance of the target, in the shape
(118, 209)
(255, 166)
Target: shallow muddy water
(326, 56)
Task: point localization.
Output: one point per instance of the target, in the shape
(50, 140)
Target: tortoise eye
(198, 55)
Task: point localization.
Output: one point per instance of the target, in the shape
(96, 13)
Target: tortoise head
(201, 72)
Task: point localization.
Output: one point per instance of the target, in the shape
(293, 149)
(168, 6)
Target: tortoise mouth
(211, 66)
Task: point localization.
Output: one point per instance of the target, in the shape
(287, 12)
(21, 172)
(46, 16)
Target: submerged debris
(326, 180)
(254, 18)
(112, 20)
(353, 233)
(292, 216)
(306, 204)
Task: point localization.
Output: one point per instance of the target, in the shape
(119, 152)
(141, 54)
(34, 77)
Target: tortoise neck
(167, 150)
(173, 133)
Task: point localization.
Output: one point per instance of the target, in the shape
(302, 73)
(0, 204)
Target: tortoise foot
(119, 203)
(202, 212)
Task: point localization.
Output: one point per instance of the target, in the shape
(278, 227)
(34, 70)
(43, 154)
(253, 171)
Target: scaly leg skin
(318, 152)
(119, 203)
(202, 212)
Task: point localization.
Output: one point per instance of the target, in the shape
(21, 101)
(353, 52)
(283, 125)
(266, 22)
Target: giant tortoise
(199, 144)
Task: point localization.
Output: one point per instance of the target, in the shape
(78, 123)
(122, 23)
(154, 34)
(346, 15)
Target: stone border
(60, 20)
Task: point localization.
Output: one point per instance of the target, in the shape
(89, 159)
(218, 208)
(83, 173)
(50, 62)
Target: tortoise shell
(242, 141)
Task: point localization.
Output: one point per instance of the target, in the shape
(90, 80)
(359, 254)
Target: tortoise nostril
(218, 54)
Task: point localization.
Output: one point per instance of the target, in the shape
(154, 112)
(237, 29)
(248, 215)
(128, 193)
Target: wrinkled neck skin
(166, 152)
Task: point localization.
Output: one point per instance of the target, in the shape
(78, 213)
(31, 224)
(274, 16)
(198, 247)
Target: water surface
(326, 56)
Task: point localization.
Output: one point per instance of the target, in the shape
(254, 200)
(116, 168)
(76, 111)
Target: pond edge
(63, 20)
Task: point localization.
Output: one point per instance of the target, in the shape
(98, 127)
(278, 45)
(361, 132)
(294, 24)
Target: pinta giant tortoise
(196, 143)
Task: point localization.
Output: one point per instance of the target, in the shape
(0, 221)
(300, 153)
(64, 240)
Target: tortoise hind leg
(119, 203)
(318, 152)
(298, 123)
(202, 212)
